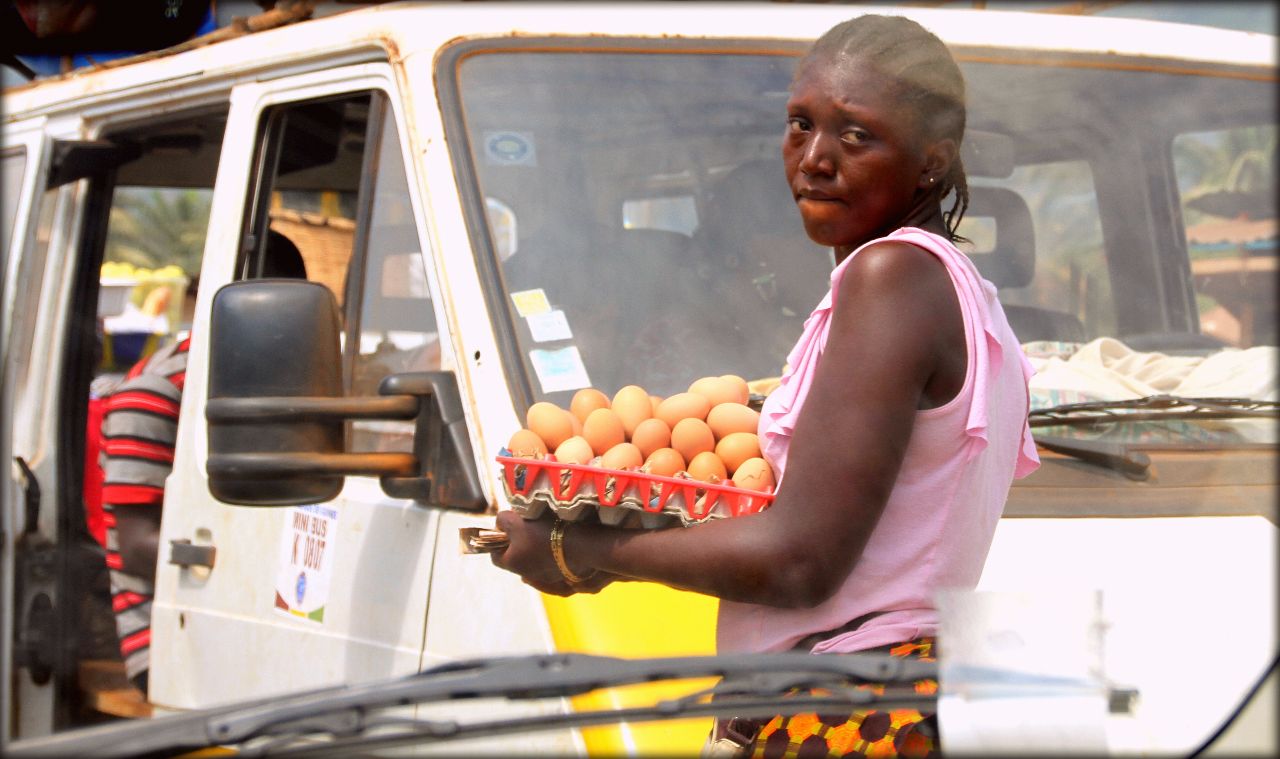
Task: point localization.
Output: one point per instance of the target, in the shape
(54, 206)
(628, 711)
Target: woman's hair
(927, 76)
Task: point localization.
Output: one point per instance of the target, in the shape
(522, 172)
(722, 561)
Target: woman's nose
(816, 156)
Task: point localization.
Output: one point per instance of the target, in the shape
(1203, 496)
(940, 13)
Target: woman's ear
(939, 156)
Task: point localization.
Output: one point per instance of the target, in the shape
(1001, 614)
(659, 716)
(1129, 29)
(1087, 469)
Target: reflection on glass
(1227, 182)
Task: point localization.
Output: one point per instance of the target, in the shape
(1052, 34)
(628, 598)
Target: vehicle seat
(1011, 263)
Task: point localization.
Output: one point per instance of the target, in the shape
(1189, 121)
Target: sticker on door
(306, 561)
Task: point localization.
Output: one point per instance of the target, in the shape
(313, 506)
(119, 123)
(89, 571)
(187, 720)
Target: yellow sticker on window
(531, 302)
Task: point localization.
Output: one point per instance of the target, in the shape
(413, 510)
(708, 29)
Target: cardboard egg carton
(621, 498)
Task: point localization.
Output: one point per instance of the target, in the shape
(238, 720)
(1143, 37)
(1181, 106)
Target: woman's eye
(854, 136)
(796, 125)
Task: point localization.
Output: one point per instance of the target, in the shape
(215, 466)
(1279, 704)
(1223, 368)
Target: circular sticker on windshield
(509, 148)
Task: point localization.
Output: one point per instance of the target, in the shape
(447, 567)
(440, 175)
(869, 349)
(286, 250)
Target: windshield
(644, 233)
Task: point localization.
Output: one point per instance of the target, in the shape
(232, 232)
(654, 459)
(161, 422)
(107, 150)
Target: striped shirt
(139, 429)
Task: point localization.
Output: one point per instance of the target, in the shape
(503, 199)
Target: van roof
(412, 28)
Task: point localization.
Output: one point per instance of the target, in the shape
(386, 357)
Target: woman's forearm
(738, 559)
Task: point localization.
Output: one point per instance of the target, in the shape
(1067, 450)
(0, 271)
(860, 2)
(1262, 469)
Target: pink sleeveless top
(938, 524)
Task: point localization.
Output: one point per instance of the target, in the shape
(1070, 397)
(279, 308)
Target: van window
(608, 161)
(334, 184)
(1076, 200)
(397, 320)
(309, 176)
(1070, 276)
(1226, 179)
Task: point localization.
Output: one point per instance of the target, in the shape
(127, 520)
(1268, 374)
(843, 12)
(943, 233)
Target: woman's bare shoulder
(894, 267)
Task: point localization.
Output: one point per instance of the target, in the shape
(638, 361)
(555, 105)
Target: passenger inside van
(136, 439)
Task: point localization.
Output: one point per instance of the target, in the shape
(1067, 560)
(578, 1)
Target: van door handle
(186, 554)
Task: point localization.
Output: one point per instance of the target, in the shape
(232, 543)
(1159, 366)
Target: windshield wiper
(752, 682)
(1152, 408)
(1135, 465)
(335, 719)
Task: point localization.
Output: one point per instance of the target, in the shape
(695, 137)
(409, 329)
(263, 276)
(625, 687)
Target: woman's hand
(528, 554)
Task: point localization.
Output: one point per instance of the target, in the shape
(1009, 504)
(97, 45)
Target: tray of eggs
(640, 461)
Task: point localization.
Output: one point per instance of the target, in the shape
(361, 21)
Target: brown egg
(691, 437)
(732, 417)
(741, 390)
(585, 401)
(622, 456)
(656, 400)
(683, 406)
(716, 390)
(526, 444)
(754, 474)
(665, 462)
(632, 405)
(650, 435)
(737, 447)
(603, 430)
(707, 467)
(575, 450)
(550, 422)
(577, 425)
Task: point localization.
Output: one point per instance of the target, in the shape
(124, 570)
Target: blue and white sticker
(503, 148)
(559, 369)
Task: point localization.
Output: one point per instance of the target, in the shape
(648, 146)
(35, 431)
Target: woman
(900, 424)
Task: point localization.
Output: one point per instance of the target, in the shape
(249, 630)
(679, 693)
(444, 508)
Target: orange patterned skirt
(860, 732)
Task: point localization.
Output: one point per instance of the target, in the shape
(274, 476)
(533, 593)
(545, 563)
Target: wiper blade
(563, 675)
(382, 731)
(1151, 408)
(1135, 465)
(753, 685)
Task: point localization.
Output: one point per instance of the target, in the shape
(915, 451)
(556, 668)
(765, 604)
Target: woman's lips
(815, 196)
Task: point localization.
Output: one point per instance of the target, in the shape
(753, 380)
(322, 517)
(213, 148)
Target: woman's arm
(894, 304)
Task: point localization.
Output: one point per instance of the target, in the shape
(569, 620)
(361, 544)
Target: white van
(503, 203)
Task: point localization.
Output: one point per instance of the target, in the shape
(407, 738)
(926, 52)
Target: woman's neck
(927, 216)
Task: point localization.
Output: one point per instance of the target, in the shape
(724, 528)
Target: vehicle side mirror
(277, 415)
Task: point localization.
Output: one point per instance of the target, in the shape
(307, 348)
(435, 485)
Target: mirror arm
(267, 466)
(440, 470)
(286, 408)
(441, 443)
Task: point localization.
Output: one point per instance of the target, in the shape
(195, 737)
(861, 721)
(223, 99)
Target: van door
(270, 600)
(60, 615)
(66, 656)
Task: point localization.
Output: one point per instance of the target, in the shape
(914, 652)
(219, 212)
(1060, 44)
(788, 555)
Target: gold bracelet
(557, 551)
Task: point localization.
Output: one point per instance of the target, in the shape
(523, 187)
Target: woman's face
(853, 154)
